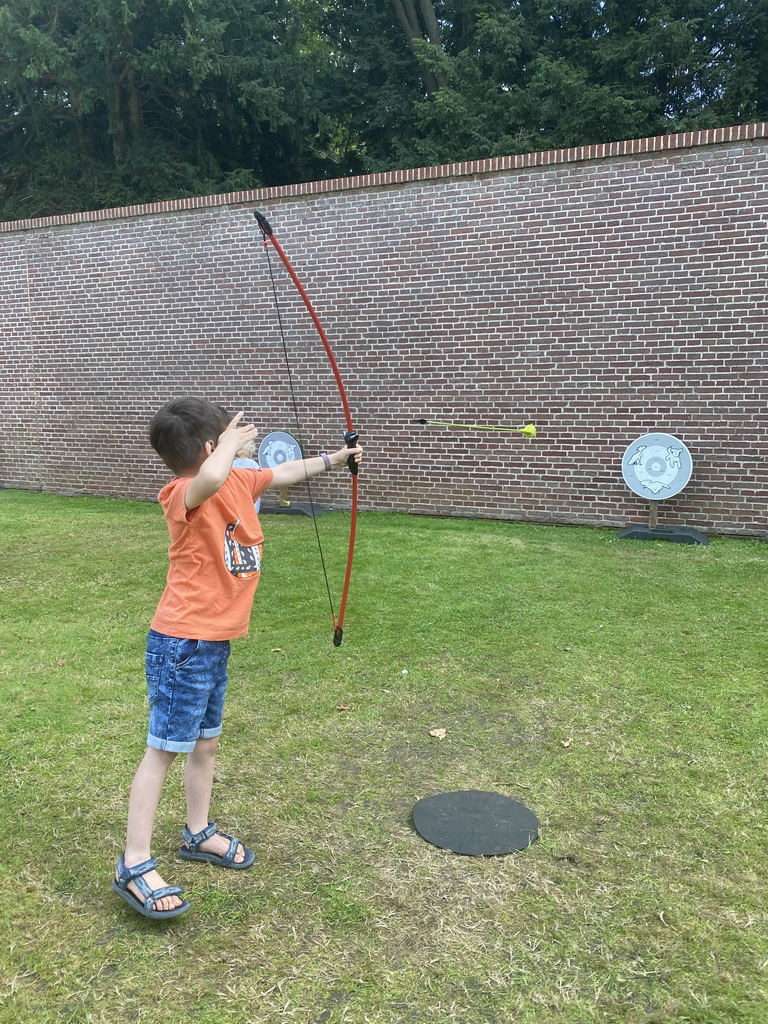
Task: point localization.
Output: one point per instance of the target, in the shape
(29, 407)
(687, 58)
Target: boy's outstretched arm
(217, 465)
(294, 472)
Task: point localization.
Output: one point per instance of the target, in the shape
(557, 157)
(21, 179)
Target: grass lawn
(617, 688)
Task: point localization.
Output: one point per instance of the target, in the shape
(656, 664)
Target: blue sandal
(151, 896)
(191, 850)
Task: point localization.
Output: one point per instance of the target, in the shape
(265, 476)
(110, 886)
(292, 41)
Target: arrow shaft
(473, 426)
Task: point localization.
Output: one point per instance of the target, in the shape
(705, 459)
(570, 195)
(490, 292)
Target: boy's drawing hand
(237, 435)
(217, 462)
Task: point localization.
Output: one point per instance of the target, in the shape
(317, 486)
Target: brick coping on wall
(601, 151)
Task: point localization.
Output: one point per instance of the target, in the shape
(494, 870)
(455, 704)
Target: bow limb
(350, 435)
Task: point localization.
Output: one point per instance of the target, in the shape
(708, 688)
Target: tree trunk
(408, 19)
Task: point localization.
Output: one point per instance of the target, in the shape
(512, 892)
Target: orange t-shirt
(215, 558)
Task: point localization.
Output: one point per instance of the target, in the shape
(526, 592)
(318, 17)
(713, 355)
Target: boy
(215, 558)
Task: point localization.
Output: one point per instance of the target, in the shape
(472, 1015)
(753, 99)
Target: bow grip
(351, 439)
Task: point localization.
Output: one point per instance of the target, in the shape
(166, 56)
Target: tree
(488, 78)
(106, 103)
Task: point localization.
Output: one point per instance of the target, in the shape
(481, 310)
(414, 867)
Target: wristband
(326, 460)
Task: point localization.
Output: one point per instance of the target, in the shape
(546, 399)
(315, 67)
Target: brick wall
(602, 292)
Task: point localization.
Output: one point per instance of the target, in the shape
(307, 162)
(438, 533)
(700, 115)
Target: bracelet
(326, 460)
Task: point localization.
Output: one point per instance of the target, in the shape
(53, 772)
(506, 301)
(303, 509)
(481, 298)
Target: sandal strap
(125, 875)
(233, 845)
(136, 874)
(153, 895)
(193, 840)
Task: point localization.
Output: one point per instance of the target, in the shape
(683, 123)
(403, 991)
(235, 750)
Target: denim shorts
(186, 682)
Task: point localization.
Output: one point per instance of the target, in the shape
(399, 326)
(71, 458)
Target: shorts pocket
(154, 665)
(185, 650)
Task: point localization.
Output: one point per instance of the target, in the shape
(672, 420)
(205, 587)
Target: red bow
(350, 436)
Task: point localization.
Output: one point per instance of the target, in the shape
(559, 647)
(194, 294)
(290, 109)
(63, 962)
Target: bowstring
(299, 431)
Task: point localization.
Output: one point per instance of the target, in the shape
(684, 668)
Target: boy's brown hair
(178, 432)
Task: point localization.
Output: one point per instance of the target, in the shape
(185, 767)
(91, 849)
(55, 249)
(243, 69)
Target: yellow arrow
(529, 430)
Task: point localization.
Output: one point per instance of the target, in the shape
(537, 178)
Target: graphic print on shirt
(241, 560)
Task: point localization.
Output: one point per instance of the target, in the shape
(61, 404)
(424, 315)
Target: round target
(656, 466)
(277, 448)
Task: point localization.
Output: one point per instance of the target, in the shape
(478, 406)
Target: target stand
(275, 449)
(475, 823)
(655, 467)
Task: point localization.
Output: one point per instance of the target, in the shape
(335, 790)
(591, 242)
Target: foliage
(106, 103)
(538, 74)
(103, 102)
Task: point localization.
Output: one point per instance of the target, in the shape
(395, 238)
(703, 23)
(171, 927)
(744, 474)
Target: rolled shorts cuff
(177, 747)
